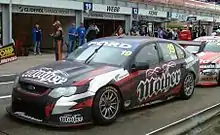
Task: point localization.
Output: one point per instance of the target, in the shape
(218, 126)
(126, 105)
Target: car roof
(205, 38)
(135, 41)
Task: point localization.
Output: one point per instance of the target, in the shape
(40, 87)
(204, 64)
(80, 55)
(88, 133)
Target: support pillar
(79, 18)
(6, 24)
(128, 23)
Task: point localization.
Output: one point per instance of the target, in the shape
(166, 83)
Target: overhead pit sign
(43, 10)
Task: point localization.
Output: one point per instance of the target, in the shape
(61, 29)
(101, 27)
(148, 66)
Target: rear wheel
(188, 87)
(106, 105)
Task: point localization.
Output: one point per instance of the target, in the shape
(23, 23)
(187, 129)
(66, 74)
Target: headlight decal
(63, 91)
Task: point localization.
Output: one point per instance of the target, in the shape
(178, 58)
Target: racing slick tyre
(106, 105)
(188, 87)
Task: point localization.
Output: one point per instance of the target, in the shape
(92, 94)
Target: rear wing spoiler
(190, 43)
(200, 44)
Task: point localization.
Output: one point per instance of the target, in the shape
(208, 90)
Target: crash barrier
(7, 53)
(183, 125)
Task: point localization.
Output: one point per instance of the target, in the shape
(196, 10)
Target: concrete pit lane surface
(135, 122)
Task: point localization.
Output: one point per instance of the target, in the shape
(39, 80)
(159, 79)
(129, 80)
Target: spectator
(58, 40)
(91, 32)
(133, 31)
(81, 32)
(175, 34)
(37, 37)
(203, 32)
(142, 31)
(120, 31)
(185, 34)
(160, 33)
(72, 37)
(169, 34)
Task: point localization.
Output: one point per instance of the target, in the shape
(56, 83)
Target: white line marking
(183, 119)
(4, 97)
(5, 83)
(8, 75)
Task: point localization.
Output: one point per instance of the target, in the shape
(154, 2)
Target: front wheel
(106, 105)
(188, 87)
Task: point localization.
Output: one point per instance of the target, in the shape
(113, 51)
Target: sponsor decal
(112, 44)
(121, 76)
(22, 114)
(210, 78)
(204, 61)
(7, 54)
(126, 53)
(153, 13)
(208, 66)
(46, 75)
(71, 118)
(43, 10)
(169, 76)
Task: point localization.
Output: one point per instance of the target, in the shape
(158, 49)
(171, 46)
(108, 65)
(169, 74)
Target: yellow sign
(6, 52)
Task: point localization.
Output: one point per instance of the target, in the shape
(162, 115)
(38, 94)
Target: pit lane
(138, 122)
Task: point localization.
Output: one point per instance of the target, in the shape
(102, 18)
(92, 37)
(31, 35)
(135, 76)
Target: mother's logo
(46, 75)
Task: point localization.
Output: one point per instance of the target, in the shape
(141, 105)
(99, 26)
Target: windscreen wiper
(96, 50)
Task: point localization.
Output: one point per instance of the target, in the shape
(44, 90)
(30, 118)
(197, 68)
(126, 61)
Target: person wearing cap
(58, 40)
(185, 34)
(81, 32)
(72, 37)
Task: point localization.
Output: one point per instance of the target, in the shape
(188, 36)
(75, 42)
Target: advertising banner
(7, 54)
(186, 3)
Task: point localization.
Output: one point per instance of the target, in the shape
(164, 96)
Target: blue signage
(88, 6)
(135, 11)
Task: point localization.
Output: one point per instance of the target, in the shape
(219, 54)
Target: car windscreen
(212, 47)
(192, 49)
(105, 55)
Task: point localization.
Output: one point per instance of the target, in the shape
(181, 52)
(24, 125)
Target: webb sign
(7, 54)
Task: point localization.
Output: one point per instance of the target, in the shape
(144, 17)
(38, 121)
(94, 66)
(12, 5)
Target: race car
(101, 78)
(209, 53)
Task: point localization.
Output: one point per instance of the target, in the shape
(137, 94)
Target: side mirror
(140, 66)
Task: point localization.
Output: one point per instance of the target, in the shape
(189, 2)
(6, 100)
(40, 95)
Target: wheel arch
(117, 88)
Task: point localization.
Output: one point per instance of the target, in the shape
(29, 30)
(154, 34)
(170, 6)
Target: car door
(173, 62)
(145, 90)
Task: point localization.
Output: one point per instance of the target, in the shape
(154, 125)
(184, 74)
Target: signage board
(111, 9)
(100, 15)
(7, 54)
(43, 10)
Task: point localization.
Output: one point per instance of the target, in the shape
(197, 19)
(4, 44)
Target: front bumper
(52, 112)
(209, 75)
(42, 122)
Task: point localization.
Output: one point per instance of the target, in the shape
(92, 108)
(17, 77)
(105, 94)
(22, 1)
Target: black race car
(101, 78)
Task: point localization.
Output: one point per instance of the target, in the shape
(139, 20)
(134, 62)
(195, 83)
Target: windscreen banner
(7, 54)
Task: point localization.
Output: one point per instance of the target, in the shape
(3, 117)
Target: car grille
(35, 110)
(35, 89)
